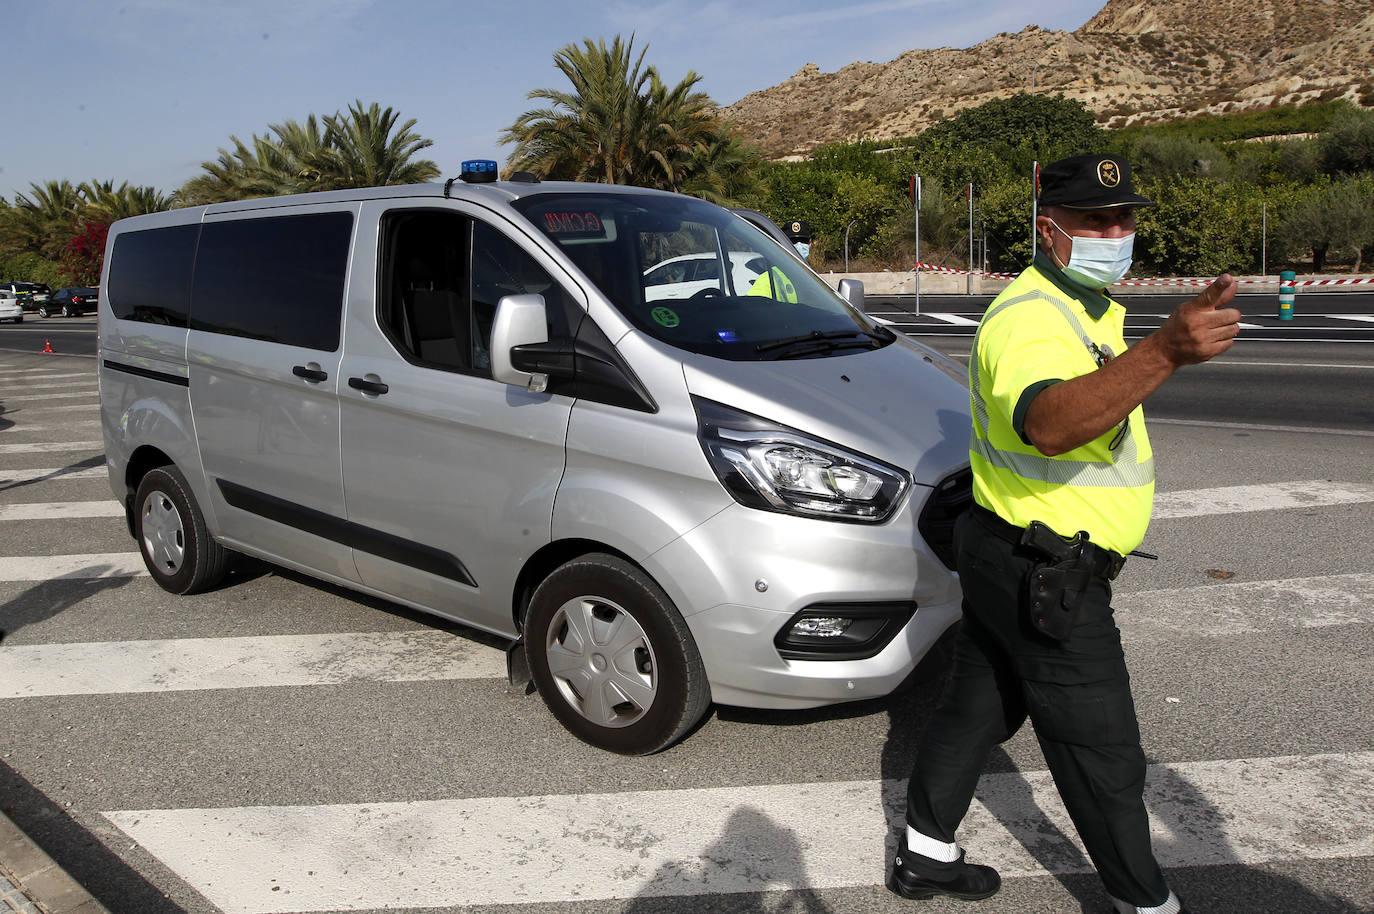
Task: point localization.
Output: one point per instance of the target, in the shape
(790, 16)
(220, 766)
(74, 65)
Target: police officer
(1058, 447)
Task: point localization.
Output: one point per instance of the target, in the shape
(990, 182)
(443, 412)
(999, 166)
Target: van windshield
(700, 278)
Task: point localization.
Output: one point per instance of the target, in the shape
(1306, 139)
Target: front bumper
(741, 576)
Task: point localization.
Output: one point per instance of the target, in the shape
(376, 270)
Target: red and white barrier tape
(932, 268)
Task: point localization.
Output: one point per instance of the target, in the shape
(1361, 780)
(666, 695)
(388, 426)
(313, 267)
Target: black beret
(1089, 182)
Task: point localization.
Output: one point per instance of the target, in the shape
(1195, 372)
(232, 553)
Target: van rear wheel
(170, 529)
(612, 657)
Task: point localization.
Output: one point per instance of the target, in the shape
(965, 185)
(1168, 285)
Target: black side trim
(374, 542)
(178, 380)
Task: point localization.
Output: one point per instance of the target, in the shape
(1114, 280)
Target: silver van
(483, 400)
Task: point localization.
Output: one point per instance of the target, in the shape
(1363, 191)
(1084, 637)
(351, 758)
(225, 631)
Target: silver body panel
(490, 474)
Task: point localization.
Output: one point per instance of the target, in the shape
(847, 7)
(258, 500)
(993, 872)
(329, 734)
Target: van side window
(442, 275)
(150, 275)
(279, 279)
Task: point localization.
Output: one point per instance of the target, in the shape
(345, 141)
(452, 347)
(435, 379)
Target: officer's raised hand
(1203, 327)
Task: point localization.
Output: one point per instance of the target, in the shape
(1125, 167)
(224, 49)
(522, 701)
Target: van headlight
(775, 468)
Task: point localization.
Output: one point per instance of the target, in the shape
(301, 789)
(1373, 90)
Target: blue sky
(145, 90)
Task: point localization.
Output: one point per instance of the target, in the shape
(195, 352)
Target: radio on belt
(478, 171)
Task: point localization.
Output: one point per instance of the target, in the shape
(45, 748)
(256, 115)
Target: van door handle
(309, 373)
(371, 387)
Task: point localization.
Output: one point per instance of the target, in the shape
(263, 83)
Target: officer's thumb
(1218, 293)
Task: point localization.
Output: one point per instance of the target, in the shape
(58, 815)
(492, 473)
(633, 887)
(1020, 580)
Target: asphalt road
(280, 745)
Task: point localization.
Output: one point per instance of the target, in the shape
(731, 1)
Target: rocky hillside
(1136, 60)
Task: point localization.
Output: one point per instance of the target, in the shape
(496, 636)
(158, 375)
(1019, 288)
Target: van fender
(164, 424)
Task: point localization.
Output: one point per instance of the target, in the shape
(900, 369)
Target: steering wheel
(708, 292)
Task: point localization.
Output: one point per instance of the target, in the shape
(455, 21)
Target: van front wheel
(170, 529)
(612, 657)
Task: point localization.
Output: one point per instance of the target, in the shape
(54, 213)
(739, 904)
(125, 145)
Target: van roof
(490, 192)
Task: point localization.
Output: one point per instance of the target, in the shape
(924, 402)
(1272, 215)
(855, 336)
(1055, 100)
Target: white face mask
(803, 249)
(1098, 262)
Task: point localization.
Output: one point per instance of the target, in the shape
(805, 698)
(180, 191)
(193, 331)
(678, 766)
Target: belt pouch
(1054, 594)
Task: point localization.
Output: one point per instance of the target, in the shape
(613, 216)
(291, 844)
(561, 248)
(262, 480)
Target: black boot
(915, 876)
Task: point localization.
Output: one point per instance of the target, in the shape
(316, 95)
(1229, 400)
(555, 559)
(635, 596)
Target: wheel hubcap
(602, 662)
(164, 538)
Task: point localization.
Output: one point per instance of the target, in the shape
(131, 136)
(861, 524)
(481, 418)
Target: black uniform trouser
(1078, 696)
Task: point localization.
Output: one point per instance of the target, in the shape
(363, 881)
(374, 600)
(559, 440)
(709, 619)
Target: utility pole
(1035, 201)
(970, 238)
(916, 210)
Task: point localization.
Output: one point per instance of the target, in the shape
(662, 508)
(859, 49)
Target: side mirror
(852, 291)
(520, 320)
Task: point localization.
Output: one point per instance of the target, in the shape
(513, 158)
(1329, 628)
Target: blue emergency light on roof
(478, 171)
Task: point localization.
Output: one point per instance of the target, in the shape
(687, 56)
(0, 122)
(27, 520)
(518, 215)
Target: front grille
(952, 496)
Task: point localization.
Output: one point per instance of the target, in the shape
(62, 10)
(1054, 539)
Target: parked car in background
(30, 294)
(694, 274)
(72, 301)
(10, 309)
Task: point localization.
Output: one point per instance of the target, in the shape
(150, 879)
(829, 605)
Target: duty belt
(1101, 562)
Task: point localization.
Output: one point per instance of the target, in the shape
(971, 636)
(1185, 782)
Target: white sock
(945, 852)
(1171, 905)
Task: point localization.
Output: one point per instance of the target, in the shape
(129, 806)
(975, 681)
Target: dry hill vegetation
(1136, 61)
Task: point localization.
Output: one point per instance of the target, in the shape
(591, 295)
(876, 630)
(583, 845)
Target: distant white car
(690, 274)
(10, 309)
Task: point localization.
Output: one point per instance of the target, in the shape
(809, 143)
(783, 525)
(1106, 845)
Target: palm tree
(106, 203)
(619, 124)
(44, 219)
(363, 150)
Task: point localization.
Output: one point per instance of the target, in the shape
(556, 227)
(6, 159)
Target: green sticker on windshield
(665, 317)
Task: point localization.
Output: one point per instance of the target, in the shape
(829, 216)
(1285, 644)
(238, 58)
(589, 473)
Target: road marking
(55, 510)
(38, 447)
(41, 375)
(1267, 497)
(22, 396)
(957, 320)
(645, 844)
(192, 664)
(1248, 607)
(1256, 427)
(1369, 319)
(1242, 363)
(86, 567)
(90, 407)
(25, 476)
(217, 663)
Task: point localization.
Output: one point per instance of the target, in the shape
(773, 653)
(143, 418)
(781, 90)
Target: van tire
(650, 661)
(170, 529)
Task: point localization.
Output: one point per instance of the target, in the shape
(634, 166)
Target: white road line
(86, 567)
(1248, 607)
(1369, 319)
(60, 510)
(189, 664)
(1266, 497)
(1218, 610)
(74, 425)
(11, 477)
(93, 408)
(957, 319)
(23, 396)
(501, 850)
(1256, 427)
(39, 447)
(41, 375)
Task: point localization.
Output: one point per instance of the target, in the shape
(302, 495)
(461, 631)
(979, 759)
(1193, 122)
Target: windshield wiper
(818, 336)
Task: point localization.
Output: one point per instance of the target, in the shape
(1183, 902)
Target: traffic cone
(47, 347)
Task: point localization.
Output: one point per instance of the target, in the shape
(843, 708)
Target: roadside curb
(31, 883)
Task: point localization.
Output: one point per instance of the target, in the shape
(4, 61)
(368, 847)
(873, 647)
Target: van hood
(893, 403)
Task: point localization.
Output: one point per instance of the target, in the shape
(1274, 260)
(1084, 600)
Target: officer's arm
(1071, 413)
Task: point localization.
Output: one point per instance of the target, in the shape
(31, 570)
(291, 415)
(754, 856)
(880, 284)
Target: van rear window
(279, 279)
(150, 275)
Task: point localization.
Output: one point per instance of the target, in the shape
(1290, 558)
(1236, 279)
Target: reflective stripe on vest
(1124, 472)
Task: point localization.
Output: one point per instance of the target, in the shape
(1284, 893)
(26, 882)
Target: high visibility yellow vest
(1035, 333)
(773, 283)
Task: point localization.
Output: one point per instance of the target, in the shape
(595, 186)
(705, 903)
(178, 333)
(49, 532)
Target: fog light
(842, 631)
(822, 626)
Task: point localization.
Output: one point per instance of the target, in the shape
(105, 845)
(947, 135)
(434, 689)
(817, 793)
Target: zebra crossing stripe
(187, 664)
(28, 376)
(61, 510)
(41, 474)
(1265, 497)
(87, 567)
(645, 844)
(42, 670)
(23, 396)
(42, 447)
